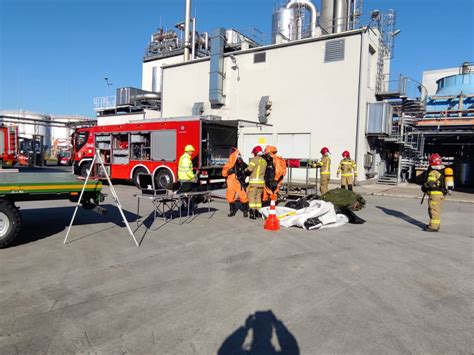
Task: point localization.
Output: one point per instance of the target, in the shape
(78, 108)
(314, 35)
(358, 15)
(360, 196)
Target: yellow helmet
(189, 148)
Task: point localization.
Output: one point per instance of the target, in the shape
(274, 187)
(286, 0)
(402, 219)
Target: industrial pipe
(148, 96)
(327, 15)
(187, 20)
(340, 16)
(311, 7)
(193, 40)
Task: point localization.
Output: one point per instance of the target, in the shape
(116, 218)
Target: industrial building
(45, 134)
(447, 125)
(311, 87)
(324, 80)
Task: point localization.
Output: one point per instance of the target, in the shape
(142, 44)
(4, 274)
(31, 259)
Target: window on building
(334, 51)
(260, 57)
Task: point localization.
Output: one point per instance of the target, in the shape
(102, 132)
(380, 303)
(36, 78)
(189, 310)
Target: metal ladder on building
(380, 65)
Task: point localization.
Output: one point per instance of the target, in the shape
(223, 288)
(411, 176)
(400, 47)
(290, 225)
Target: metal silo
(284, 25)
(40, 127)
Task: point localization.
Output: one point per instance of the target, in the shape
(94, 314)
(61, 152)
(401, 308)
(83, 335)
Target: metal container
(284, 25)
(464, 174)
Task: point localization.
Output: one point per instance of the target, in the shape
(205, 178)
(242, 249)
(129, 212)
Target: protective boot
(258, 214)
(246, 210)
(232, 210)
(252, 214)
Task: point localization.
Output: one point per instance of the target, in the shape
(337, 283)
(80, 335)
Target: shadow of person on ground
(40, 223)
(262, 333)
(402, 215)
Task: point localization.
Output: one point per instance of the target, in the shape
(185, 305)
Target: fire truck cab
(155, 147)
(8, 145)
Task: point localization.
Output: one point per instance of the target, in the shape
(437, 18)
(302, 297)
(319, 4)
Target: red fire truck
(155, 147)
(8, 145)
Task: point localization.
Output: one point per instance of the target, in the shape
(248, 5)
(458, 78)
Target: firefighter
(435, 188)
(256, 169)
(234, 171)
(325, 170)
(185, 170)
(348, 171)
(276, 171)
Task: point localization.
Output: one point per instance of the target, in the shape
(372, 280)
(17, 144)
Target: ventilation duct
(216, 74)
(198, 109)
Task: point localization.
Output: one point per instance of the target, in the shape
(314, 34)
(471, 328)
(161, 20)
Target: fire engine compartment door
(217, 138)
(163, 145)
(2, 142)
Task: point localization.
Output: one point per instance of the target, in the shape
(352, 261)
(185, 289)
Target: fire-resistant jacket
(276, 171)
(257, 168)
(325, 165)
(434, 183)
(347, 167)
(185, 168)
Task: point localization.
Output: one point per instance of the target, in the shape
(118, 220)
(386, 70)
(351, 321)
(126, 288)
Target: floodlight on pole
(109, 83)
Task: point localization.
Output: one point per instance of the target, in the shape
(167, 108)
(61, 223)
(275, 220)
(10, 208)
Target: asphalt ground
(225, 285)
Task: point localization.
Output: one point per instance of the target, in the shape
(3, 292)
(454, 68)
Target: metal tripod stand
(98, 158)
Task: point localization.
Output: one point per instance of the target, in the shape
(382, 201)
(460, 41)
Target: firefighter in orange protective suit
(234, 171)
(276, 171)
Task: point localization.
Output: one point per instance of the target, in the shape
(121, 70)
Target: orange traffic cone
(272, 223)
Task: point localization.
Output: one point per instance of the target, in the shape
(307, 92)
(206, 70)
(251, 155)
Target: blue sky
(54, 54)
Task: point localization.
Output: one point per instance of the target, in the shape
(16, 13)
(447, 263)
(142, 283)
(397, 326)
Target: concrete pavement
(406, 190)
(382, 287)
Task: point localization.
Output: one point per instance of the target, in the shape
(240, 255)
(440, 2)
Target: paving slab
(220, 285)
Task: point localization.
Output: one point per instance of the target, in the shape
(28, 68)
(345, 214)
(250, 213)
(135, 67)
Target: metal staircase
(408, 98)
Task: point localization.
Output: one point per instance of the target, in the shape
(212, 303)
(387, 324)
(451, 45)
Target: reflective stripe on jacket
(347, 167)
(325, 165)
(185, 168)
(434, 183)
(257, 167)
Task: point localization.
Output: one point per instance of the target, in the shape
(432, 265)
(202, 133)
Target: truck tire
(163, 179)
(10, 223)
(84, 168)
(135, 175)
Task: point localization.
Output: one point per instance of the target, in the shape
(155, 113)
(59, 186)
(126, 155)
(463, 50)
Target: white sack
(290, 217)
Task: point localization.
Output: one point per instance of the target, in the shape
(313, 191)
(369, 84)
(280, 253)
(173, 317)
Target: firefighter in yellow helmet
(435, 188)
(347, 170)
(185, 170)
(256, 169)
(325, 170)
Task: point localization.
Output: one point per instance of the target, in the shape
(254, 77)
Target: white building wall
(147, 71)
(310, 97)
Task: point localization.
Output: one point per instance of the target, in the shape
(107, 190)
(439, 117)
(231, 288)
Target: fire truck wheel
(85, 169)
(163, 179)
(10, 223)
(135, 175)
